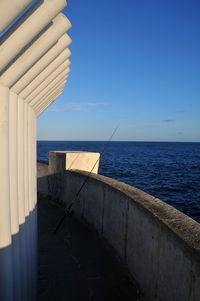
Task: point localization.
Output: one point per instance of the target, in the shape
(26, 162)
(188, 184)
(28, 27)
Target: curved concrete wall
(159, 244)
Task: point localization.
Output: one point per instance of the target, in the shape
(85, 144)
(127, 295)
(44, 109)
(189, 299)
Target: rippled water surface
(167, 170)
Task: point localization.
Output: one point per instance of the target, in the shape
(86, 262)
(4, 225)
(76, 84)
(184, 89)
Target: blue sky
(134, 63)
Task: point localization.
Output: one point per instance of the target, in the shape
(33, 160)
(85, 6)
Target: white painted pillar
(61, 60)
(34, 186)
(9, 10)
(6, 271)
(42, 63)
(42, 109)
(47, 103)
(13, 172)
(35, 51)
(54, 89)
(51, 86)
(26, 199)
(27, 28)
(21, 200)
(46, 98)
(42, 85)
(32, 209)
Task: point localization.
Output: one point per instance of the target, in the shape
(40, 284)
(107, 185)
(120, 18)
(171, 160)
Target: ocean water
(167, 170)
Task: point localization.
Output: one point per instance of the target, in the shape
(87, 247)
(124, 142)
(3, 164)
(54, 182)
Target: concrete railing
(34, 66)
(159, 244)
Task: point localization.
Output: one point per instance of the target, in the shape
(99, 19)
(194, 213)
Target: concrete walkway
(75, 264)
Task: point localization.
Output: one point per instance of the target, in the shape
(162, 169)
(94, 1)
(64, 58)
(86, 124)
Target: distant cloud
(180, 133)
(71, 107)
(169, 120)
(180, 111)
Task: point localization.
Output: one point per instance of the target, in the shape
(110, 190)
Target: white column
(21, 200)
(43, 84)
(42, 109)
(13, 174)
(51, 86)
(6, 272)
(47, 103)
(46, 99)
(51, 95)
(35, 51)
(61, 60)
(9, 10)
(26, 195)
(34, 182)
(27, 28)
(54, 89)
(42, 63)
(32, 208)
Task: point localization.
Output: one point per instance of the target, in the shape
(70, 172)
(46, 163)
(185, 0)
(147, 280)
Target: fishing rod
(68, 211)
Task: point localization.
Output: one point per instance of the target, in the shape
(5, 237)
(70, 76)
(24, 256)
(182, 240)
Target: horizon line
(156, 141)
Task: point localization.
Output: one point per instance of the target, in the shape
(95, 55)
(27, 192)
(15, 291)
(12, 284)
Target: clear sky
(134, 63)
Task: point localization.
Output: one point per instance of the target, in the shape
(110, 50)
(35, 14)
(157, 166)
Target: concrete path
(75, 264)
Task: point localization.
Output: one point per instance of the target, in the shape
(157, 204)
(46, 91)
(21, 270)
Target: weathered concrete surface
(59, 161)
(159, 244)
(75, 264)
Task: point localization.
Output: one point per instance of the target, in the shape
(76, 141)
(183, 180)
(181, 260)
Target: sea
(169, 171)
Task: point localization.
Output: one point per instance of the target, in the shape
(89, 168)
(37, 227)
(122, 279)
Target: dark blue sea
(167, 170)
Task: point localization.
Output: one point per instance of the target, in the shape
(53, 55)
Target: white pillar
(33, 226)
(35, 51)
(21, 200)
(42, 63)
(45, 96)
(6, 272)
(51, 95)
(34, 186)
(27, 28)
(13, 174)
(61, 60)
(9, 10)
(42, 109)
(48, 100)
(41, 85)
(52, 85)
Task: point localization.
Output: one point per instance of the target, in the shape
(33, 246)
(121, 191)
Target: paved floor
(75, 264)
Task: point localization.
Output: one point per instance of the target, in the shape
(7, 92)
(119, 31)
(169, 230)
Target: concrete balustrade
(33, 58)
